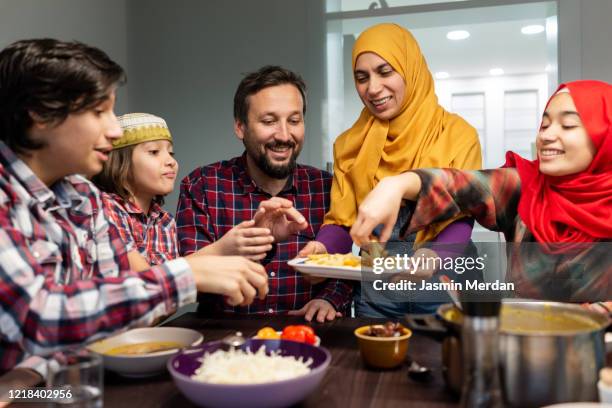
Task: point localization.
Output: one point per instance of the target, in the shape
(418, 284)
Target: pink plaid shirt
(153, 235)
(64, 272)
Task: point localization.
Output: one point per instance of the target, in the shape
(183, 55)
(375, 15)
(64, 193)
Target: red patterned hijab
(575, 208)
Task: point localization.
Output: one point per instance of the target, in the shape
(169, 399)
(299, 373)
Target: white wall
(596, 27)
(187, 57)
(98, 23)
(585, 40)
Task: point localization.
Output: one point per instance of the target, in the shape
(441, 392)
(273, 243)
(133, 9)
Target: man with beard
(247, 205)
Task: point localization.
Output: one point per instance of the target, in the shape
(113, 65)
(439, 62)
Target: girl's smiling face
(563, 144)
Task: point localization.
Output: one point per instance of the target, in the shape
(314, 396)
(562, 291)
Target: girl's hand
(382, 205)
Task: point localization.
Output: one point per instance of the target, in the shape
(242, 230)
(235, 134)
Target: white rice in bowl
(246, 367)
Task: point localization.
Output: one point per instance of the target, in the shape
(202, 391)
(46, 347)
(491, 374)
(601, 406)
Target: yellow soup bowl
(382, 352)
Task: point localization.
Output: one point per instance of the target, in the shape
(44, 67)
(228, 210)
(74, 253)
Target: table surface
(347, 382)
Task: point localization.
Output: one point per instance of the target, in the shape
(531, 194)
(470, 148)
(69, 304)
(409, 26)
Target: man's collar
(244, 179)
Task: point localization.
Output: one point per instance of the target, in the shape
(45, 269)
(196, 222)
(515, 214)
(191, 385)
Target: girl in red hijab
(558, 207)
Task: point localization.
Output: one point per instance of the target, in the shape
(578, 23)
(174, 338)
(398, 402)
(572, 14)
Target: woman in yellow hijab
(401, 127)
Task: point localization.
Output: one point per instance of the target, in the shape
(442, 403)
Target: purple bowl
(269, 395)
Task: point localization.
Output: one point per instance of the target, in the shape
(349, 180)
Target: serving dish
(144, 365)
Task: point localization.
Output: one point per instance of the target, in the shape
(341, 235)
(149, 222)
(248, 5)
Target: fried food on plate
(334, 260)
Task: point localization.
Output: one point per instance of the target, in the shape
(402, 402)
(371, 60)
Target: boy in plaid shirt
(64, 272)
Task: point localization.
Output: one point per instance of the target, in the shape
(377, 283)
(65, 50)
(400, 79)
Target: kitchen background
(185, 58)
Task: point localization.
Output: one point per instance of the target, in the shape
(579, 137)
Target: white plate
(317, 339)
(149, 364)
(356, 273)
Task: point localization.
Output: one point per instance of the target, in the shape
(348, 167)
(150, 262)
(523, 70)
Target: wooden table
(346, 384)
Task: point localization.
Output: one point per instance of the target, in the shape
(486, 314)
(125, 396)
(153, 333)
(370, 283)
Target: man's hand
(319, 307)
(312, 248)
(280, 217)
(245, 239)
(235, 277)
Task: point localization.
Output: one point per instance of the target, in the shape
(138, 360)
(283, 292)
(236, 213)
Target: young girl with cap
(140, 171)
(401, 127)
(558, 207)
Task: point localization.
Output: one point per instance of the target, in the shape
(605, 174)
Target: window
(521, 120)
(471, 107)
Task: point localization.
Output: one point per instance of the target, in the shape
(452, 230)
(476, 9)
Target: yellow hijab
(423, 135)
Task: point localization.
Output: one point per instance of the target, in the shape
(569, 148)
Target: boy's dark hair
(50, 79)
(270, 75)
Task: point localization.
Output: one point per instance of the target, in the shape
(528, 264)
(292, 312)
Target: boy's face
(78, 145)
(154, 169)
(563, 144)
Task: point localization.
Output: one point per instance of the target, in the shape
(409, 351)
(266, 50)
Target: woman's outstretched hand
(382, 205)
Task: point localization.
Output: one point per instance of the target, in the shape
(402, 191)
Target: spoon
(451, 292)
(233, 341)
(418, 372)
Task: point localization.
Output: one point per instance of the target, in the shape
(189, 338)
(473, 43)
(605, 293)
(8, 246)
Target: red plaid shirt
(64, 272)
(152, 235)
(217, 197)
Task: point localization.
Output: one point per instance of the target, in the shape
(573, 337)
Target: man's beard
(262, 161)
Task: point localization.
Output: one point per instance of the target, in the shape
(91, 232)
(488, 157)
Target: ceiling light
(532, 29)
(441, 75)
(496, 71)
(457, 35)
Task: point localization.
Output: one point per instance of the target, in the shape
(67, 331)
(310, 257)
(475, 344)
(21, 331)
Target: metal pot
(537, 368)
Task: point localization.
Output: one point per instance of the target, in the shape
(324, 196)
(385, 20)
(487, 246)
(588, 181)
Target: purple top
(338, 241)
(335, 238)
